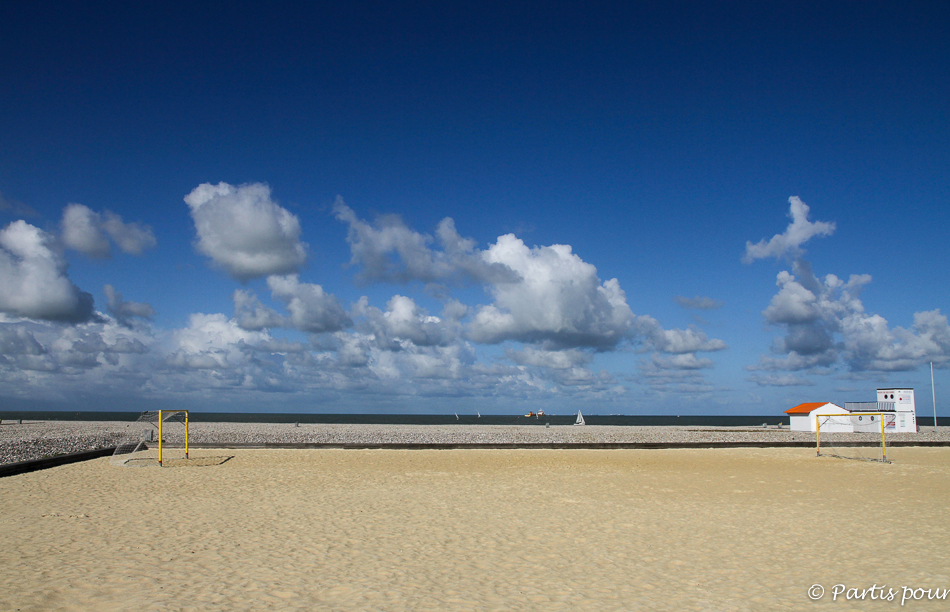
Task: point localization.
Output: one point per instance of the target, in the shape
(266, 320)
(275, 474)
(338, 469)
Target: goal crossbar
(852, 414)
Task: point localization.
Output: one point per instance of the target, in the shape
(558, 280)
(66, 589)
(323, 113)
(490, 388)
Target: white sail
(580, 418)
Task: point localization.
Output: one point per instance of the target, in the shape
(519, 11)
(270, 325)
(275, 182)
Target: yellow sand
(476, 530)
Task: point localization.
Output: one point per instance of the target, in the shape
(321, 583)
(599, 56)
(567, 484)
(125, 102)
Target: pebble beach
(27, 440)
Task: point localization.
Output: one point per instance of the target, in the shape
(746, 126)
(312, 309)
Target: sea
(433, 419)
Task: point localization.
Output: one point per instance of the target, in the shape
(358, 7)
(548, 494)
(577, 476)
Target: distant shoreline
(415, 419)
(614, 420)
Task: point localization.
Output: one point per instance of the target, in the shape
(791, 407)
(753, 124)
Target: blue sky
(645, 204)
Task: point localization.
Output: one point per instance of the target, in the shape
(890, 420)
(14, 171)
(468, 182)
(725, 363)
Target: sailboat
(580, 418)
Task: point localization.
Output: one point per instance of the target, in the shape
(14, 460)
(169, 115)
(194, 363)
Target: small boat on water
(538, 414)
(580, 418)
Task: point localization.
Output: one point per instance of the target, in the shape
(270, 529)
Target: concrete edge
(22, 467)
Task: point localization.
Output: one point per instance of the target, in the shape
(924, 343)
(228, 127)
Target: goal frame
(879, 414)
(161, 420)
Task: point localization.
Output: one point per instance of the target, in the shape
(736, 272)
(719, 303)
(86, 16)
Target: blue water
(430, 419)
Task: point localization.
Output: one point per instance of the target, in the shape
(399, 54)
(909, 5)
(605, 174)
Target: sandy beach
(333, 529)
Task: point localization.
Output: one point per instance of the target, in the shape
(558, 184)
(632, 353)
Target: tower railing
(870, 406)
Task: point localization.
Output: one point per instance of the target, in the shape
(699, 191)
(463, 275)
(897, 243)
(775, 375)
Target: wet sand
(723, 529)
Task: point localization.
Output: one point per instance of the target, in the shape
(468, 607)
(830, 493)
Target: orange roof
(805, 408)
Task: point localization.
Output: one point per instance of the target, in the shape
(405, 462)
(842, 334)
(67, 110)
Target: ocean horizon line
(711, 420)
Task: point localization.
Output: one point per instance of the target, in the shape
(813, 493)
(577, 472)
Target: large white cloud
(88, 232)
(244, 232)
(788, 244)
(33, 277)
(545, 296)
(557, 299)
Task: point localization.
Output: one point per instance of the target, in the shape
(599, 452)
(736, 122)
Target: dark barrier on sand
(23, 467)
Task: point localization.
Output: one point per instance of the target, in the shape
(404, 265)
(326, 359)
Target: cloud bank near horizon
(546, 307)
(545, 320)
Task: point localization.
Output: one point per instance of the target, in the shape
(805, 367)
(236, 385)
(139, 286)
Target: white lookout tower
(897, 405)
(903, 401)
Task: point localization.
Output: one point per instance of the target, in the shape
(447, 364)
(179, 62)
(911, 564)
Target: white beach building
(802, 417)
(897, 406)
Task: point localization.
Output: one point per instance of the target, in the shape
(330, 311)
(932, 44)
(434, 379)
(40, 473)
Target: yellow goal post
(877, 420)
(168, 415)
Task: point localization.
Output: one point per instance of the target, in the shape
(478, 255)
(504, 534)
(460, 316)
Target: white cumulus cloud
(545, 296)
(405, 321)
(557, 299)
(33, 277)
(789, 243)
(212, 342)
(310, 308)
(244, 231)
(88, 232)
(675, 341)
(825, 324)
